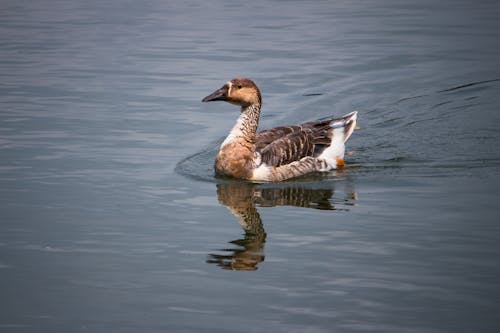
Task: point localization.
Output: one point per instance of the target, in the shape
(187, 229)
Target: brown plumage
(278, 153)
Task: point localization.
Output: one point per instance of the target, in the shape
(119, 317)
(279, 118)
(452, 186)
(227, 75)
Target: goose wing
(285, 144)
(286, 149)
(268, 136)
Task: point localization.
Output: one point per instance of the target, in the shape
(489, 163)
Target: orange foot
(339, 161)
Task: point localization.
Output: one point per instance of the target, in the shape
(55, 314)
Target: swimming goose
(278, 153)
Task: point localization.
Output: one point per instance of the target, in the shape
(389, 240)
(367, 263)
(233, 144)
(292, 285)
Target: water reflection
(242, 199)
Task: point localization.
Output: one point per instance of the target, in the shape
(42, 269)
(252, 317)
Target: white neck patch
(235, 131)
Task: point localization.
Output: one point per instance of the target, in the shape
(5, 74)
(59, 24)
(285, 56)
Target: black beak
(219, 95)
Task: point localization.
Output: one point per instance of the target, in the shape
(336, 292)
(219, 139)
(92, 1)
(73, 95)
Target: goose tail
(341, 130)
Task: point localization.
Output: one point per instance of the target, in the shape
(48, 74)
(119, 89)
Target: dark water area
(111, 219)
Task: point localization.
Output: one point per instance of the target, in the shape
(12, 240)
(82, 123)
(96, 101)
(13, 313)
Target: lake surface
(111, 219)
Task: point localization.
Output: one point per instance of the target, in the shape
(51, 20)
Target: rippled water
(111, 218)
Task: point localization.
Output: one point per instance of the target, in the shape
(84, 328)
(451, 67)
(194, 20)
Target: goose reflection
(242, 199)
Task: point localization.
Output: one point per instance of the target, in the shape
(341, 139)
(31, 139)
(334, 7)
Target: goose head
(238, 91)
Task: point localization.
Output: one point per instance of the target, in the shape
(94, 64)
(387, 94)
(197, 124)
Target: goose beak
(219, 95)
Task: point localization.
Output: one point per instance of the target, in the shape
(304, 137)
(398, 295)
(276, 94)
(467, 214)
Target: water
(112, 221)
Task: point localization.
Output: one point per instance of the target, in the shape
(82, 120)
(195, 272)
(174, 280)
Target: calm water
(111, 219)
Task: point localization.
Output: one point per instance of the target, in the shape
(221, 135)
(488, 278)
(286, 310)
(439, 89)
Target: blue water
(111, 219)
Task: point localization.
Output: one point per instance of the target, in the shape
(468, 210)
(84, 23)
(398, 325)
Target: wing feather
(266, 137)
(291, 147)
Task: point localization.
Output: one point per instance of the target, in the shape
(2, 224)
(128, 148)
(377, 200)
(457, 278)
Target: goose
(278, 153)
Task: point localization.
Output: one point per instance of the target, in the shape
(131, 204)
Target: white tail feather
(342, 129)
